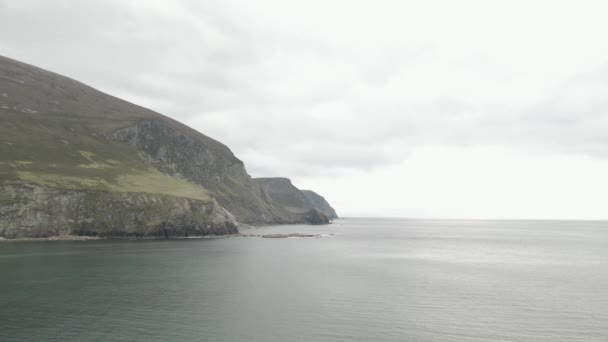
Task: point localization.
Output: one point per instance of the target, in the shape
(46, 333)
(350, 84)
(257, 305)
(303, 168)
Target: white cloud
(490, 182)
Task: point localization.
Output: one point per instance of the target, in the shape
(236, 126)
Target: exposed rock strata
(31, 211)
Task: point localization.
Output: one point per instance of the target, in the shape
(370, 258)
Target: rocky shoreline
(54, 238)
(284, 236)
(97, 238)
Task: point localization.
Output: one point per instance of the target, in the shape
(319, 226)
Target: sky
(425, 109)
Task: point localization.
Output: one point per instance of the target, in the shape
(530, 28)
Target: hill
(74, 160)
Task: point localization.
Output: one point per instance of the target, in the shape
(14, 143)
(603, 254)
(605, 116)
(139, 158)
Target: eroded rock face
(294, 203)
(31, 211)
(182, 152)
(318, 202)
(315, 217)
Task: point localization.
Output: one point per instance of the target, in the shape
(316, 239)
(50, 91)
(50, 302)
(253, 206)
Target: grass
(200, 216)
(62, 181)
(73, 154)
(157, 183)
(296, 210)
(88, 155)
(5, 198)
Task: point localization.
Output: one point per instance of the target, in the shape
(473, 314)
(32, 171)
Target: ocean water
(372, 280)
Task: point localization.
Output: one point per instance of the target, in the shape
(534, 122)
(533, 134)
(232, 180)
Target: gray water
(373, 280)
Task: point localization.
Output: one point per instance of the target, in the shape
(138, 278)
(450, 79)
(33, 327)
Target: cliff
(31, 211)
(318, 202)
(74, 160)
(295, 204)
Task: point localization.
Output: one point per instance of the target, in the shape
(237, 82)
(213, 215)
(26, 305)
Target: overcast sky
(447, 109)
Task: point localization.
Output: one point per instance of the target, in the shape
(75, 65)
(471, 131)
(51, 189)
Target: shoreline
(133, 238)
(101, 238)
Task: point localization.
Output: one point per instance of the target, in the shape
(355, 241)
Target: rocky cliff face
(184, 153)
(31, 211)
(318, 202)
(297, 205)
(74, 160)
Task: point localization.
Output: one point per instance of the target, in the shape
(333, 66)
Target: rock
(296, 206)
(318, 202)
(315, 217)
(283, 236)
(32, 211)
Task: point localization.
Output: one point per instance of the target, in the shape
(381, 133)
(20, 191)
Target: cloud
(320, 90)
(473, 183)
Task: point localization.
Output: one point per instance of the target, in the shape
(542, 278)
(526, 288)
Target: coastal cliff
(76, 161)
(32, 211)
(320, 203)
(294, 204)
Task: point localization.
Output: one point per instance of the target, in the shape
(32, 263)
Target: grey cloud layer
(319, 89)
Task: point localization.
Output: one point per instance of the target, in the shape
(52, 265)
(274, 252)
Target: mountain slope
(62, 140)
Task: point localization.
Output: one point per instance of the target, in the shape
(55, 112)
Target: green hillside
(56, 151)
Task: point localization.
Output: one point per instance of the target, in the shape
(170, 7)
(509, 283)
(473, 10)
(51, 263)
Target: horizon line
(470, 219)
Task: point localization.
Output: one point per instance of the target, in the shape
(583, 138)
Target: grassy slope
(66, 153)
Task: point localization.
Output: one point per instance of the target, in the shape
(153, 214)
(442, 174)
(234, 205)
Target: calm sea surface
(373, 280)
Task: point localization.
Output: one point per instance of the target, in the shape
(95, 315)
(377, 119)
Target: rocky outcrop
(313, 216)
(295, 204)
(318, 202)
(292, 235)
(31, 211)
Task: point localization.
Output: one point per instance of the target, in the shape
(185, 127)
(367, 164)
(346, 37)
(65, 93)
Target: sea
(359, 280)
